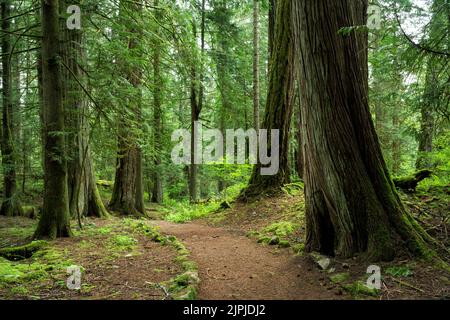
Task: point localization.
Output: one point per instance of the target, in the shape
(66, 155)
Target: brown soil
(231, 266)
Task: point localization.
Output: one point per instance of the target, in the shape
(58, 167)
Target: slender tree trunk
(396, 145)
(11, 205)
(195, 116)
(128, 192)
(256, 82)
(279, 105)
(157, 194)
(55, 220)
(427, 122)
(196, 99)
(84, 199)
(352, 206)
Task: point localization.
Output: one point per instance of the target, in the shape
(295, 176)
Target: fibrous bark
(128, 192)
(84, 198)
(11, 205)
(352, 206)
(55, 220)
(280, 100)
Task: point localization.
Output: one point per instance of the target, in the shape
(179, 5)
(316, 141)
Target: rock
(274, 241)
(321, 261)
(346, 266)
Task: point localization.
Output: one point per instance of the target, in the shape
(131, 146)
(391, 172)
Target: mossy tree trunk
(352, 206)
(84, 199)
(280, 100)
(55, 219)
(128, 192)
(11, 204)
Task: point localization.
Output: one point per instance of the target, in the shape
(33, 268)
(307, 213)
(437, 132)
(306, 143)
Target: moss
(104, 231)
(264, 239)
(299, 248)
(281, 229)
(284, 244)
(84, 244)
(123, 243)
(21, 291)
(17, 232)
(8, 272)
(189, 295)
(184, 286)
(22, 252)
(358, 288)
(340, 277)
(400, 271)
(30, 212)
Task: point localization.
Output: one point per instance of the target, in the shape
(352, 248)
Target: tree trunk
(256, 84)
(196, 99)
(299, 154)
(55, 220)
(195, 116)
(352, 206)
(128, 192)
(84, 197)
(157, 194)
(11, 205)
(280, 102)
(272, 17)
(396, 145)
(427, 122)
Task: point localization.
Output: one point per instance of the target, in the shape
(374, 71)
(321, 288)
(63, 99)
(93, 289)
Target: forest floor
(249, 251)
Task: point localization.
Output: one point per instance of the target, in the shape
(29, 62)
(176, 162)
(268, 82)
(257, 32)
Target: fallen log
(409, 184)
(22, 252)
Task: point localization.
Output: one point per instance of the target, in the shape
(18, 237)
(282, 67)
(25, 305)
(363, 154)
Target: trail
(234, 267)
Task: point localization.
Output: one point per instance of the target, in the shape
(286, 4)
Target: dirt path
(231, 266)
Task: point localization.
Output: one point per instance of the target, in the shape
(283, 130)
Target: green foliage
(123, 243)
(181, 212)
(358, 289)
(282, 229)
(340, 277)
(399, 271)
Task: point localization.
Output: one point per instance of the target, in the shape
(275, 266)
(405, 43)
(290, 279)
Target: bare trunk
(128, 192)
(256, 84)
(431, 96)
(55, 220)
(11, 204)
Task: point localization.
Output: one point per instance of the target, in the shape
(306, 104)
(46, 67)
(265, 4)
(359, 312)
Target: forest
(225, 150)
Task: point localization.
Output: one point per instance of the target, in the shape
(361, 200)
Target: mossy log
(30, 212)
(22, 252)
(410, 183)
(105, 183)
